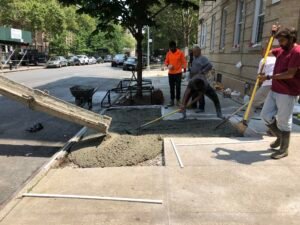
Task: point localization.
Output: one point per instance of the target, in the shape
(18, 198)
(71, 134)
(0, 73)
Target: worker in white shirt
(265, 88)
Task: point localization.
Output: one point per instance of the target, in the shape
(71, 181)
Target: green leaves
(62, 22)
(131, 14)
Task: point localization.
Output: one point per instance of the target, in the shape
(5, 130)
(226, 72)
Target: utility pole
(148, 49)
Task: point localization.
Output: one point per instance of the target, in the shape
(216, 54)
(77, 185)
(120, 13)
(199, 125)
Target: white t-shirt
(268, 69)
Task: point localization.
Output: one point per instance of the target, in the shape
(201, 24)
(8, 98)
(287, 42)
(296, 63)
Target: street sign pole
(148, 49)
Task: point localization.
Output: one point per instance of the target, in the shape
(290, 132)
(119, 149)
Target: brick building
(232, 32)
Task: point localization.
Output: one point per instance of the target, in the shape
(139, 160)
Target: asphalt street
(23, 153)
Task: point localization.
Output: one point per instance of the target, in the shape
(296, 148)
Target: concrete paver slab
(134, 182)
(228, 152)
(240, 186)
(233, 195)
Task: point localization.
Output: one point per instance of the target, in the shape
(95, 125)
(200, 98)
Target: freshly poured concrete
(122, 149)
(225, 181)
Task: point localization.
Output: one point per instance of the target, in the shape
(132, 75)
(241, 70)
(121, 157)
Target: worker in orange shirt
(175, 61)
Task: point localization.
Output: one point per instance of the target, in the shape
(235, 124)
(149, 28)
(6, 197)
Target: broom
(242, 126)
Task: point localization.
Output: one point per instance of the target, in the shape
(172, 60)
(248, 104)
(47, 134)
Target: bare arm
(286, 75)
(280, 76)
(186, 97)
(207, 68)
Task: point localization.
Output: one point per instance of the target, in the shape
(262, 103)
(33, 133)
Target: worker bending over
(201, 87)
(200, 66)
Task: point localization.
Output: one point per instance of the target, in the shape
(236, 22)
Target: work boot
(171, 103)
(219, 114)
(277, 133)
(178, 103)
(284, 146)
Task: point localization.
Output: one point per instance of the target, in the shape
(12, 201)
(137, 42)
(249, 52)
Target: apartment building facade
(233, 32)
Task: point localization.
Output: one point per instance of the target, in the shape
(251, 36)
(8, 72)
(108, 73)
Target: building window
(239, 22)
(258, 22)
(223, 28)
(213, 32)
(203, 35)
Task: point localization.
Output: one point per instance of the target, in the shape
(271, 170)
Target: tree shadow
(27, 151)
(15, 118)
(242, 156)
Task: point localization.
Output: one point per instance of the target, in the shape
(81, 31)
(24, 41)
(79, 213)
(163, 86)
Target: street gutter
(21, 70)
(35, 178)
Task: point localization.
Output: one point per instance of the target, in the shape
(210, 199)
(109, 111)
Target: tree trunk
(139, 40)
(35, 39)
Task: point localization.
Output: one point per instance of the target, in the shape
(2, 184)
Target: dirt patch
(145, 149)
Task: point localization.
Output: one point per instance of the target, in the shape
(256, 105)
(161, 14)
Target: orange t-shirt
(177, 60)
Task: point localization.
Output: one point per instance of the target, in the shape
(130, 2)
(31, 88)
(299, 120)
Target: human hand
(275, 28)
(182, 108)
(262, 77)
(170, 67)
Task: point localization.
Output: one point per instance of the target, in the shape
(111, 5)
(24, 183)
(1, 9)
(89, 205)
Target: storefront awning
(11, 35)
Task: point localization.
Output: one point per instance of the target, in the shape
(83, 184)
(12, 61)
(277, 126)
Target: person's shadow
(242, 156)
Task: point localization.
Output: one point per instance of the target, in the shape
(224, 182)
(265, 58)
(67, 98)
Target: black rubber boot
(277, 133)
(284, 146)
(171, 103)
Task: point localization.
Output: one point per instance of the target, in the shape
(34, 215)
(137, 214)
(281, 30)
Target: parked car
(92, 60)
(57, 61)
(131, 64)
(107, 58)
(100, 60)
(118, 60)
(73, 60)
(155, 60)
(84, 60)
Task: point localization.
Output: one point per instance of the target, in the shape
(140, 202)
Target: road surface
(23, 153)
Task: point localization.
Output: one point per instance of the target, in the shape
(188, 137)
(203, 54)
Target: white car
(92, 60)
(84, 60)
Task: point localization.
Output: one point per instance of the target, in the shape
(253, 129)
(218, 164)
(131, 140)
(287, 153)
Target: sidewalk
(221, 181)
(21, 68)
(224, 181)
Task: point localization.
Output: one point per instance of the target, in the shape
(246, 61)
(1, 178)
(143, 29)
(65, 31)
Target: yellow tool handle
(246, 116)
(169, 114)
(166, 115)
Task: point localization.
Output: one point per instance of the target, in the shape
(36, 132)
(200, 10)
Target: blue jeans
(280, 107)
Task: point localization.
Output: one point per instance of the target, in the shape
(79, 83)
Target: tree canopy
(59, 22)
(133, 15)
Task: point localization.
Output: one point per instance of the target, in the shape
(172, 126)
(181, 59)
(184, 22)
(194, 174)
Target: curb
(40, 174)
(35, 178)
(20, 70)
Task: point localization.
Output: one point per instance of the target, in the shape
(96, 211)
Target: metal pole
(22, 59)
(177, 154)
(87, 197)
(148, 49)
